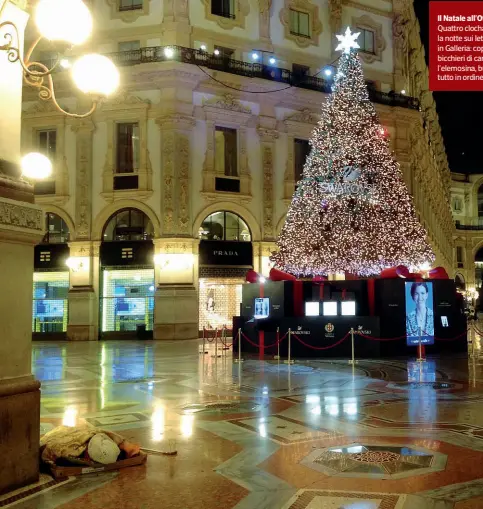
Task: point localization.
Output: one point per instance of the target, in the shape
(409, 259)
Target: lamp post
(64, 23)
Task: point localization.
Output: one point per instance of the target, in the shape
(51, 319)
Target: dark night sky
(460, 114)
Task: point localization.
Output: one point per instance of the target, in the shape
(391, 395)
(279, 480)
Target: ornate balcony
(248, 69)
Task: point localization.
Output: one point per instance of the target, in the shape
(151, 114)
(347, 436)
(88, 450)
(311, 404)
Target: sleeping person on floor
(85, 444)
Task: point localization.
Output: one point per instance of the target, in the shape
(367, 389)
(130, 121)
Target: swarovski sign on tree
(351, 211)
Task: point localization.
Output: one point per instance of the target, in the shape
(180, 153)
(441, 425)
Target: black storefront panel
(51, 256)
(122, 254)
(226, 253)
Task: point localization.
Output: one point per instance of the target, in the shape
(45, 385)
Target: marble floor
(393, 434)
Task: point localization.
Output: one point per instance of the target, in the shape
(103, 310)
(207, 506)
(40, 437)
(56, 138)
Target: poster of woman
(419, 313)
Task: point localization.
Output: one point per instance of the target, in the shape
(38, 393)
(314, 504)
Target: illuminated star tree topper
(351, 211)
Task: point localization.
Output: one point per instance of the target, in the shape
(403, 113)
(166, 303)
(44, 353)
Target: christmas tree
(351, 211)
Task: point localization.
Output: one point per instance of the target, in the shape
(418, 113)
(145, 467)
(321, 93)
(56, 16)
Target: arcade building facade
(166, 196)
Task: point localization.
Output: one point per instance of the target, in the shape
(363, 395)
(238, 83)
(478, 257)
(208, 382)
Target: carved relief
(315, 24)
(175, 10)
(264, 19)
(21, 216)
(168, 147)
(175, 164)
(267, 165)
(183, 182)
(227, 102)
(242, 8)
(83, 129)
(305, 116)
(335, 17)
(368, 23)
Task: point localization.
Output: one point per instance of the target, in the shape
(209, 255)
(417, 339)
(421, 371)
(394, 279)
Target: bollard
(420, 349)
(289, 360)
(204, 351)
(239, 347)
(216, 345)
(353, 360)
(277, 357)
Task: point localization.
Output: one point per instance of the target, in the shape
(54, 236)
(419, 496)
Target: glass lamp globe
(64, 20)
(95, 74)
(36, 166)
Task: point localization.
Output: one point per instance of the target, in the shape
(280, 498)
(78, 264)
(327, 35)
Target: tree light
(95, 74)
(63, 20)
(36, 166)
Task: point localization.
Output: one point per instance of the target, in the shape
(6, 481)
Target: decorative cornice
(364, 7)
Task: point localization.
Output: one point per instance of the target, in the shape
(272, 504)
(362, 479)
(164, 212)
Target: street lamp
(65, 22)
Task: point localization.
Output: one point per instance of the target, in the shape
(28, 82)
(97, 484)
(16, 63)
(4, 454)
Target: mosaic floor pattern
(319, 434)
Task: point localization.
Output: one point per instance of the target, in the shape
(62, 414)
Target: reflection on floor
(264, 435)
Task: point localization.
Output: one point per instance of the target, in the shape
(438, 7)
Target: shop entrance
(225, 256)
(127, 303)
(51, 281)
(127, 277)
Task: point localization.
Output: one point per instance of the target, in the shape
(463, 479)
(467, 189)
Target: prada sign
(51, 256)
(226, 253)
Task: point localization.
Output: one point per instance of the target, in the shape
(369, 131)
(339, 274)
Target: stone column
(400, 37)
(83, 302)
(83, 308)
(264, 7)
(176, 298)
(21, 227)
(175, 27)
(335, 20)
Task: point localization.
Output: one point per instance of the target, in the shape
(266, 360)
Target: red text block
(456, 46)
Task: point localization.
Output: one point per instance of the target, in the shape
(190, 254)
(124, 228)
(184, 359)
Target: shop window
(57, 231)
(299, 23)
(366, 40)
(129, 46)
(224, 8)
(128, 225)
(49, 309)
(301, 152)
(226, 156)
(130, 5)
(127, 148)
(127, 299)
(220, 299)
(224, 226)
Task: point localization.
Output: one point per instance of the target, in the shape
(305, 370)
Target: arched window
(224, 225)
(460, 282)
(480, 201)
(128, 225)
(57, 231)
